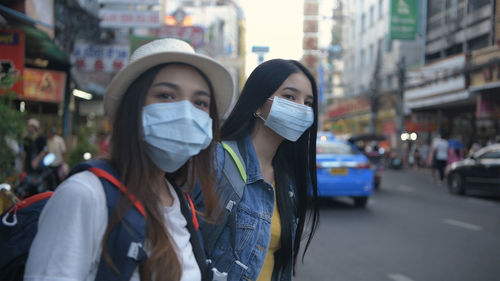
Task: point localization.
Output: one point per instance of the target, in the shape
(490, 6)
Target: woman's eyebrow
(202, 93)
(176, 87)
(291, 89)
(166, 84)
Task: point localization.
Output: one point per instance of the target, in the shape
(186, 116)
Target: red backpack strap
(193, 212)
(107, 176)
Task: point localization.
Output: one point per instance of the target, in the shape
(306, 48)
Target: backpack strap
(125, 243)
(235, 170)
(234, 173)
(189, 212)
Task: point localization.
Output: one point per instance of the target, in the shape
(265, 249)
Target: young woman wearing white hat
(165, 105)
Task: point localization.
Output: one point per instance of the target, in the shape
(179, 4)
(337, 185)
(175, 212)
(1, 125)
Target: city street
(411, 230)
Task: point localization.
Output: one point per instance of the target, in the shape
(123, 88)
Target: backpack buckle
(136, 251)
(9, 223)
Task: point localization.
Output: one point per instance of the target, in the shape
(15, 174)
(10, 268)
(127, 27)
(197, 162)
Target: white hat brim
(219, 77)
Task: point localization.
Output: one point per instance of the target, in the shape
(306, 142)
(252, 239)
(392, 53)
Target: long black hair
(293, 162)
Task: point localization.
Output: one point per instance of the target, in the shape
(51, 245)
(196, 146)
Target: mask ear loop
(258, 116)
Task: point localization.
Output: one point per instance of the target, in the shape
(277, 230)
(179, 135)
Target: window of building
(353, 30)
(389, 82)
(388, 42)
(476, 5)
(379, 44)
(453, 50)
(372, 10)
(479, 42)
(370, 53)
(380, 8)
(363, 22)
(434, 7)
(362, 58)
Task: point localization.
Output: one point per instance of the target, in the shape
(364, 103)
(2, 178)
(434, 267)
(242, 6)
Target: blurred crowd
(441, 153)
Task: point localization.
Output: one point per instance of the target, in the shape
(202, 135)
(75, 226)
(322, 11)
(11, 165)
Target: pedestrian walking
(273, 128)
(34, 146)
(165, 106)
(440, 151)
(57, 146)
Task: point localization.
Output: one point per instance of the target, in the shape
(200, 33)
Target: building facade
(457, 87)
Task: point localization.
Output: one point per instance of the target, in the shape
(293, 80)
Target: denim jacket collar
(251, 161)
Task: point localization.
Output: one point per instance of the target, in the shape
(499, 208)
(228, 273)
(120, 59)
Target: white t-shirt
(72, 224)
(441, 147)
(57, 146)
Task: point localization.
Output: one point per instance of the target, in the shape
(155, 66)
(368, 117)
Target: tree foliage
(11, 128)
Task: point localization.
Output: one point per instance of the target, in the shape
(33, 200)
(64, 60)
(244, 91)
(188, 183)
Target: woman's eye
(289, 97)
(201, 103)
(165, 96)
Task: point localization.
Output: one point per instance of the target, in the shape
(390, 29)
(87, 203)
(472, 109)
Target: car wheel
(360, 201)
(456, 184)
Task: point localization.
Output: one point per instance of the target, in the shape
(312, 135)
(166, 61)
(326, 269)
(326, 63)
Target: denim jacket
(252, 223)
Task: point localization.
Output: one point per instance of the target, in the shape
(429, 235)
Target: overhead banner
(43, 85)
(129, 18)
(403, 19)
(11, 61)
(191, 34)
(104, 58)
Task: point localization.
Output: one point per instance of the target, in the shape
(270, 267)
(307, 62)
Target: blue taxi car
(343, 170)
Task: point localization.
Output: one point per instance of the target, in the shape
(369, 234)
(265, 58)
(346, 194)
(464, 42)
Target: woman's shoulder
(83, 188)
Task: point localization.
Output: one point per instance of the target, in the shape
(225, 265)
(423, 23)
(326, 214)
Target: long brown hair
(140, 174)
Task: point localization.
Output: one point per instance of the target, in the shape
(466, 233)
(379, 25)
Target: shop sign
(43, 85)
(129, 18)
(436, 83)
(348, 106)
(191, 34)
(105, 58)
(11, 61)
(132, 2)
(487, 107)
(490, 72)
(389, 128)
(420, 126)
(403, 19)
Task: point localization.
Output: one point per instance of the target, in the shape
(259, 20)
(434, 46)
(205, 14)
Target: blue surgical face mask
(289, 119)
(174, 132)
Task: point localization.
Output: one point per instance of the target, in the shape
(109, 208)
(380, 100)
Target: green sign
(137, 41)
(404, 19)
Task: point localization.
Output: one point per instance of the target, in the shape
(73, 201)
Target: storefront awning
(38, 44)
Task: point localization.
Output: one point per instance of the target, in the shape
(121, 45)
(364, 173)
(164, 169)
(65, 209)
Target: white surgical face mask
(174, 132)
(289, 119)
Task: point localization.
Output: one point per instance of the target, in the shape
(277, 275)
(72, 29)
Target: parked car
(343, 170)
(480, 171)
(368, 145)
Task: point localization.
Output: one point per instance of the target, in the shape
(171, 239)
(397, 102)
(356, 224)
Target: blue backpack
(19, 225)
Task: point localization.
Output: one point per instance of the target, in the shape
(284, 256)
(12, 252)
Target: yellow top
(267, 269)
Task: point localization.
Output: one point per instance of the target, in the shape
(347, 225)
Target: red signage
(11, 61)
(43, 85)
(348, 106)
(191, 34)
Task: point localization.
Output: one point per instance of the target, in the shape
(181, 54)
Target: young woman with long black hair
(273, 124)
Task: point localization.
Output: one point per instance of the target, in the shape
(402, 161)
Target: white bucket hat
(169, 51)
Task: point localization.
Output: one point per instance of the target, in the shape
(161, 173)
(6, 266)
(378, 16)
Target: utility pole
(400, 127)
(374, 96)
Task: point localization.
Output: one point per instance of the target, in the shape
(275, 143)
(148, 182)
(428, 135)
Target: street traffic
(411, 230)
